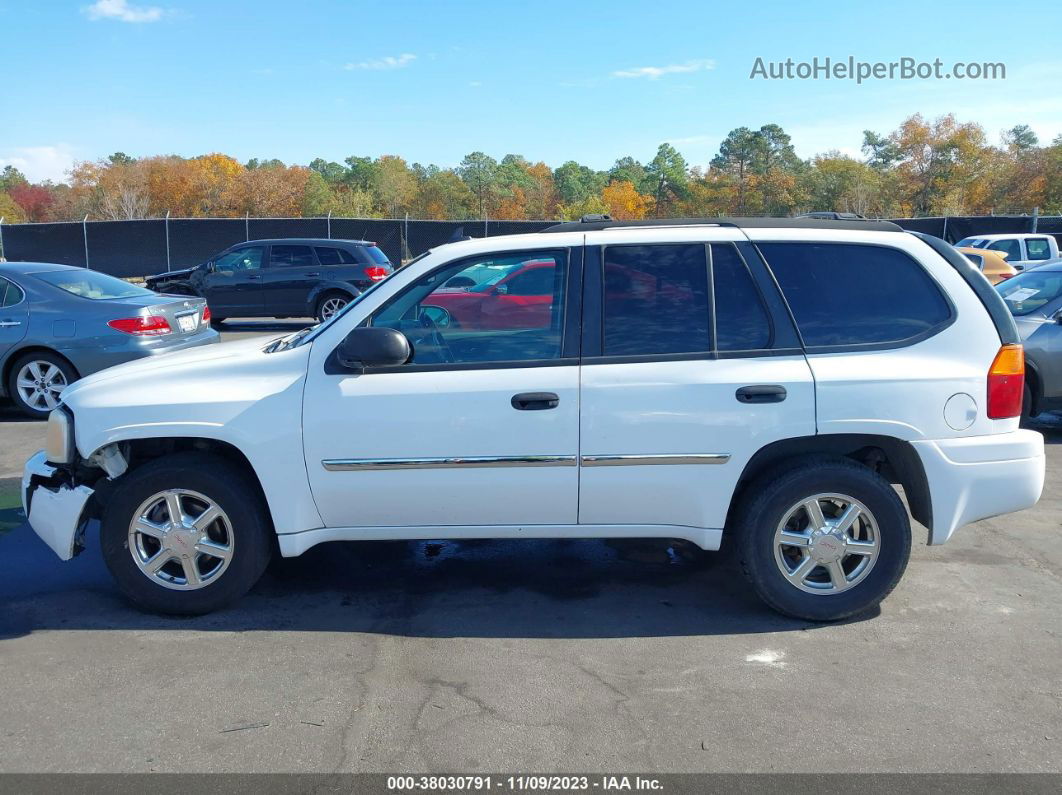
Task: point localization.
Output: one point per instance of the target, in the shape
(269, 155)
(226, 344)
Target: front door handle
(761, 393)
(312, 273)
(6, 323)
(254, 276)
(535, 401)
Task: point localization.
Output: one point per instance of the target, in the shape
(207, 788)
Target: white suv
(761, 383)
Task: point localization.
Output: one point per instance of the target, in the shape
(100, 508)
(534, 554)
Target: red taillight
(376, 273)
(1006, 383)
(151, 326)
(1004, 276)
(206, 314)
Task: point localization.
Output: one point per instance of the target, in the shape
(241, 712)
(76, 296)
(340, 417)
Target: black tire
(318, 312)
(53, 359)
(1027, 406)
(771, 497)
(214, 477)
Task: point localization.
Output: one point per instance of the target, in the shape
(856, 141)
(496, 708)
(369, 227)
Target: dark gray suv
(290, 277)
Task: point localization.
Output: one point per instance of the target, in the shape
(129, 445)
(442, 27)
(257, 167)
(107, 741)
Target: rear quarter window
(844, 295)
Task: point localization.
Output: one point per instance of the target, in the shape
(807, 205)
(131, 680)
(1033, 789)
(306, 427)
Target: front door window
(498, 308)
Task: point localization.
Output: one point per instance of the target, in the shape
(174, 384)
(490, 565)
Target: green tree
(10, 177)
(331, 171)
(480, 173)
(666, 177)
(1020, 138)
(736, 158)
(627, 169)
(575, 182)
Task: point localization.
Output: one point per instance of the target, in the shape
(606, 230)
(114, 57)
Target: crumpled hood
(183, 273)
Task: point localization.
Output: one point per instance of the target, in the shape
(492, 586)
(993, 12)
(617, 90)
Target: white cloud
(390, 62)
(39, 163)
(656, 72)
(121, 11)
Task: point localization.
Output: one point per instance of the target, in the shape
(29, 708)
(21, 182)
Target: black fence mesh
(127, 248)
(139, 248)
(62, 243)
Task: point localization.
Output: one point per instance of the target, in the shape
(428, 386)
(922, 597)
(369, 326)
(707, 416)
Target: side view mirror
(1058, 317)
(373, 347)
(208, 267)
(501, 289)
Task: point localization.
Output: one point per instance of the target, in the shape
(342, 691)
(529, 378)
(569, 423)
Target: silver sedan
(58, 323)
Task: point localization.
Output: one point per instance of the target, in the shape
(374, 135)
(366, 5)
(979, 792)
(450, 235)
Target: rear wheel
(823, 540)
(185, 534)
(329, 304)
(36, 380)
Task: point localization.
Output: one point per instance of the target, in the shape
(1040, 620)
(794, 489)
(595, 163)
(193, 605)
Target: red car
(499, 296)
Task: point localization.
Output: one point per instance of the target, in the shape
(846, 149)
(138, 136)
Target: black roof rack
(740, 223)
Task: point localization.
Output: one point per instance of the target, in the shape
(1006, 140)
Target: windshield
(971, 242)
(90, 284)
(1030, 291)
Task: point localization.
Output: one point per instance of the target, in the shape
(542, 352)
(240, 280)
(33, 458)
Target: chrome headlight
(59, 442)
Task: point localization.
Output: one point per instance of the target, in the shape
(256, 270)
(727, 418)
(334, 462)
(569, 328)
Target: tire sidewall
(222, 483)
(776, 500)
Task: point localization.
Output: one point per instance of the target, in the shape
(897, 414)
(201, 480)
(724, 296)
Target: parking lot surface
(534, 656)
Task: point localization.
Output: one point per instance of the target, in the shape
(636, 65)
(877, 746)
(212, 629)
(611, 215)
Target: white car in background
(1023, 251)
(758, 382)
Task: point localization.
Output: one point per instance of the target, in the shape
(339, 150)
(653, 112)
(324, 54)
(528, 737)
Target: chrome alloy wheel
(181, 539)
(331, 306)
(39, 384)
(826, 544)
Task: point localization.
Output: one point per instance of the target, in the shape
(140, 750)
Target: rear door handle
(254, 276)
(5, 323)
(312, 273)
(761, 393)
(535, 401)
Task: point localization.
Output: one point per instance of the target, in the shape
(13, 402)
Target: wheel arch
(324, 288)
(894, 459)
(139, 451)
(15, 355)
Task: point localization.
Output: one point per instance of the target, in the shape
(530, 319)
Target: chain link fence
(141, 248)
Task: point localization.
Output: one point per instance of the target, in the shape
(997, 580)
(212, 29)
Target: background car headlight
(59, 442)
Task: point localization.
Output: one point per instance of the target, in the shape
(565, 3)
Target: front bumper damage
(55, 506)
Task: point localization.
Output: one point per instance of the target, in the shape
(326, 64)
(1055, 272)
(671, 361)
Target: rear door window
(845, 294)
(655, 300)
(291, 257)
(741, 320)
(1038, 248)
(1011, 247)
(328, 256)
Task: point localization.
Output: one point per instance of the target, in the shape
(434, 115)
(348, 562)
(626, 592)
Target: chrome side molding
(470, 462)
(474, 462)
(652, 460)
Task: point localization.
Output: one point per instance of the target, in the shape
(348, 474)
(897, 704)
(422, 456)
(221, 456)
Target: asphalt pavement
(536, 656)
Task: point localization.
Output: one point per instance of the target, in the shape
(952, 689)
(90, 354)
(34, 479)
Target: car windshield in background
(971, 242)
(1029, 291)
(90, 284)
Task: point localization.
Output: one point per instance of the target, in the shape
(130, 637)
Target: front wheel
(824, 539)
(185, 534)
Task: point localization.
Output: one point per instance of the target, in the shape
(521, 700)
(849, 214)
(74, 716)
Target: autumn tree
(393, 184)
(624, 202)
(10, 211)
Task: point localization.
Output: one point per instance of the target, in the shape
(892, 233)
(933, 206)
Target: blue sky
(432, 81)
